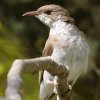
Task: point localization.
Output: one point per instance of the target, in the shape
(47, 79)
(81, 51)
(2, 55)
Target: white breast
(71, 49)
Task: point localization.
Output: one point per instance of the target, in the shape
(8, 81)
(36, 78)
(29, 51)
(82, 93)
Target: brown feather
(47, 51)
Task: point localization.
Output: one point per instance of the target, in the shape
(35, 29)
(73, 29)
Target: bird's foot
(69, 91)
(60, 64)
(50, 81)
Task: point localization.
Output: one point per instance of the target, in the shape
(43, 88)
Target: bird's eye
(48, 12)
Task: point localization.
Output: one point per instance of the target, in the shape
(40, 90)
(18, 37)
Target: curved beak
(31, 13)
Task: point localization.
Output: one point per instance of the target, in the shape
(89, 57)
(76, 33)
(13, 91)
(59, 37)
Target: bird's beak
(31, 13)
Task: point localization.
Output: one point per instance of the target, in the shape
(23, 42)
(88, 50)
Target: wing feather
(47, 51)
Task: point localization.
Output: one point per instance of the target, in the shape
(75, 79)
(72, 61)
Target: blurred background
(24, 37)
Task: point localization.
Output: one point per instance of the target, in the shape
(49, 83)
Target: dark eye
(48, 12)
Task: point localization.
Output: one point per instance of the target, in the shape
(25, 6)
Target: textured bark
(14, 80)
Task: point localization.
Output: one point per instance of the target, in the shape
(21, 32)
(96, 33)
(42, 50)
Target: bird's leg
(69, 91)
(63, 91)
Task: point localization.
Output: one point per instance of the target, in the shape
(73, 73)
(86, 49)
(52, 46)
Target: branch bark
(14, 80)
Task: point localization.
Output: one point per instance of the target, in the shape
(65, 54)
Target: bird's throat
(60, 27)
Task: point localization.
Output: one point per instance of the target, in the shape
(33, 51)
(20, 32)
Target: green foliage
(30, 87)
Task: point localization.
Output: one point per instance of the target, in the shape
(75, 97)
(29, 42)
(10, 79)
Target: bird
(66, 45)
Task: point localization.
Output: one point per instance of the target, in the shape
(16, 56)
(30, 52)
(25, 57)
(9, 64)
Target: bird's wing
(47, 51)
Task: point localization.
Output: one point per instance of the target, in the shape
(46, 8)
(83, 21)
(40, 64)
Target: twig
(14, 81)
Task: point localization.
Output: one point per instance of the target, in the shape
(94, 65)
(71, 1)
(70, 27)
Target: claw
(60, 64)
(49, 81)
(70, 87)
(55, 90)
(69, 91)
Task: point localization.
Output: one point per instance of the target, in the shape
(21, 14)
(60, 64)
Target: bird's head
(48, 14)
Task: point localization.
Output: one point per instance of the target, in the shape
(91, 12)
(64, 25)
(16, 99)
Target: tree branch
(14, 81)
